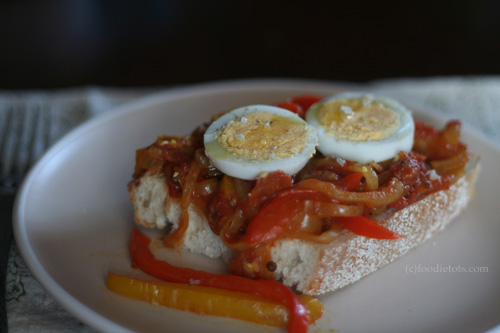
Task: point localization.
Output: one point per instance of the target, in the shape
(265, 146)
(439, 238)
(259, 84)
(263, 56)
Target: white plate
(73, 221)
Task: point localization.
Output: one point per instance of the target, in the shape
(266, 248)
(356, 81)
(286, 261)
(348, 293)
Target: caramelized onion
(232, 229)
(330, 169)
(368, 172)
(451, 133)
(235, 188)
(331, 209)
(437, 144)
(390, 193)
(453, 164)
(322, 238)
(206, 188)
(174, 240)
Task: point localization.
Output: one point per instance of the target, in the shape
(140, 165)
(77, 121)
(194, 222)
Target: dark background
(55, 43)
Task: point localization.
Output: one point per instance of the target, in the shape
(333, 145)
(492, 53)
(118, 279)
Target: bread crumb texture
(199, 237)
(149, 195)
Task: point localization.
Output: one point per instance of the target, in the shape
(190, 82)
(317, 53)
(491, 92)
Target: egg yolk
(263, 136)
(358, 119)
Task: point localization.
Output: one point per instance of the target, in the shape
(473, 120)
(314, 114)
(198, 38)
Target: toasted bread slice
(314, 268)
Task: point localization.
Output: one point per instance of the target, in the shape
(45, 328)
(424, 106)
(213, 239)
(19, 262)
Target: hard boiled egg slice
(361, 127)
(256, 139)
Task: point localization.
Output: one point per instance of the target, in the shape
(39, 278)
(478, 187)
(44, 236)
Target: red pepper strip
(265, 190)
(306, 101)
(294, 107)
(273, 220)
(367, 226)
(299, 104)
(350, 182)
(143, 258)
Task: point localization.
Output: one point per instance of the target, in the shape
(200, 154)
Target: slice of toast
(314, 268)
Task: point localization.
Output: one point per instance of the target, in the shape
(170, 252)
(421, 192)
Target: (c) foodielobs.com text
(439, 268)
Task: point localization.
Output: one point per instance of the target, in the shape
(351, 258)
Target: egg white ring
(365, 151)
(250, 169)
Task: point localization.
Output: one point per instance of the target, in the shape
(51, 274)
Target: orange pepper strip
(209, 301)
(143, 258)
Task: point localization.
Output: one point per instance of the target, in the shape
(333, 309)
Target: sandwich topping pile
(313, 192)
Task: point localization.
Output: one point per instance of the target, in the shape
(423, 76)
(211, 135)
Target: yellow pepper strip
(210, 301)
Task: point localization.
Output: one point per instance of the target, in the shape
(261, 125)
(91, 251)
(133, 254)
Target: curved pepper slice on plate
(210, 301)
(143, 258)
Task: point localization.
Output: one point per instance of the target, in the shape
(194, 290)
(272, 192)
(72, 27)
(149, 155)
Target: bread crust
(310, 267)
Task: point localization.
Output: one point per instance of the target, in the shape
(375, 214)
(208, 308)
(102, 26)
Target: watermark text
(439, 268)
